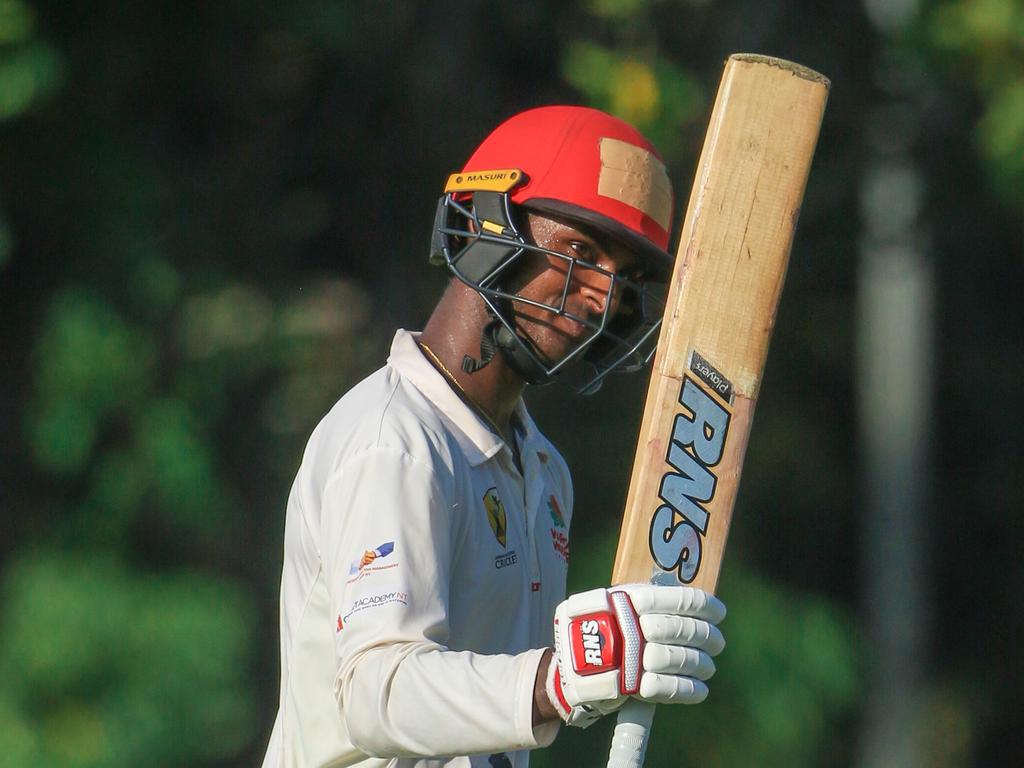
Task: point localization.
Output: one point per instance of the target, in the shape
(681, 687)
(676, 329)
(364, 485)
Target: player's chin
(557, 338)
(570, 332)
(557, 346)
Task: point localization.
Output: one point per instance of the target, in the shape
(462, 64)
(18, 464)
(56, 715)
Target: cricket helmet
(587, 167)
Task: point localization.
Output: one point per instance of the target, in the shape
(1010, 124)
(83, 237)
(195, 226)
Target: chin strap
(488, 347)
(496, 337)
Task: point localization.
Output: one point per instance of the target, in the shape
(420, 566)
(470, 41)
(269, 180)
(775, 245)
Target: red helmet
(583, 165)
(587, 165)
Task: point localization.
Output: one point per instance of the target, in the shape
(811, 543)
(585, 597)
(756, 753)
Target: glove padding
(649, 641)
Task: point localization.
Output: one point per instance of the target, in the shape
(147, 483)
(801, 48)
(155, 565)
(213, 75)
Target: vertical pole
(894, 374)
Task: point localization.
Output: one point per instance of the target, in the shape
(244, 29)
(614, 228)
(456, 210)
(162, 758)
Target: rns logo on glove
(594, 644)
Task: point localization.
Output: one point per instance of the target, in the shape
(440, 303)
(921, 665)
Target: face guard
(477, 238)
(591, 169)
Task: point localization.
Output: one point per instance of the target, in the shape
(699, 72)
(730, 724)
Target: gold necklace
(460, 390)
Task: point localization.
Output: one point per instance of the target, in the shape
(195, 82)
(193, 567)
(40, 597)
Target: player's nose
(598, 290)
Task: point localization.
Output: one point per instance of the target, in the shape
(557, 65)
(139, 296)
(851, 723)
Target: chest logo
(496, 515)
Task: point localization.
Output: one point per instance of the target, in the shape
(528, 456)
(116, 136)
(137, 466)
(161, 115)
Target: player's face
(588, 293)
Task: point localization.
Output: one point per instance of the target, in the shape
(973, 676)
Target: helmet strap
(496, 337)
(488, 347)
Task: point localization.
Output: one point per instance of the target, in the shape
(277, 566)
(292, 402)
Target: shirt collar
(477, 441)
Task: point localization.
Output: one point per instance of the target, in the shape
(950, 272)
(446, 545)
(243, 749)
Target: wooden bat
(730, 266)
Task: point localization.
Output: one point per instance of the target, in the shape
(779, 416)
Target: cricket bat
(719, 314)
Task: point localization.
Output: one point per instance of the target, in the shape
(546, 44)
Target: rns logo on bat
(696, 447)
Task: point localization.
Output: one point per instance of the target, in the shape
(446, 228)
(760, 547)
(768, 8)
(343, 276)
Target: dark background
(214, 215)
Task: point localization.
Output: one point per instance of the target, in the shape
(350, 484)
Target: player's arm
(655, 643)
(401, 691)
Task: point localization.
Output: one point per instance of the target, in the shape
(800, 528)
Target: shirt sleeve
(388, 533)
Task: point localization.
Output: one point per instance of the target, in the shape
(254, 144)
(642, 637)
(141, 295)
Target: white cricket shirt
(421, 574)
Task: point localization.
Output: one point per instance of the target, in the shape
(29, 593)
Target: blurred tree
(982, 42)
(104, 666)
(161, 372)
(30, 71)
(973, 56)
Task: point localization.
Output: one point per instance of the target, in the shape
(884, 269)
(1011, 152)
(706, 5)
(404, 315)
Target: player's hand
(651, 642)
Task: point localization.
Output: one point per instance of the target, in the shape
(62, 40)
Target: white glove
(648, 641)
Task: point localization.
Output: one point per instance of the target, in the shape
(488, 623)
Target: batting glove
(651, 642)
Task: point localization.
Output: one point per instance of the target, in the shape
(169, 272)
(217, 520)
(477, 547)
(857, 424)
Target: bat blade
(720, 311)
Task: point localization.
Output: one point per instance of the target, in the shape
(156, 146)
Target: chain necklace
(460, 390)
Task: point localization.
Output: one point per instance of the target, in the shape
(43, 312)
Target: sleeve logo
(368, 562)
(369, 602)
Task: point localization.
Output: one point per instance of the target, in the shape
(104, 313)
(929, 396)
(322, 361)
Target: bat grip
(629, 742)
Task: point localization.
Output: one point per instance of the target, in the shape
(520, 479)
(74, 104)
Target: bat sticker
(711, 376)
(688, 487)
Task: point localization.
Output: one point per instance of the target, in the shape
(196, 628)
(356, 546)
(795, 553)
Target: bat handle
(629, 742)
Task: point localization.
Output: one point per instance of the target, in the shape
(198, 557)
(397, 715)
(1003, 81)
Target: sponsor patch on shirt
(369, 562)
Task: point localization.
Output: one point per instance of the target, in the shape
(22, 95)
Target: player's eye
(635, 273)
(583, 251)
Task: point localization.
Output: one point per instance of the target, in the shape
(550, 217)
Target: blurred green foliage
(104, 666)
(90, 366)
(211, 219)
(30, 70)
(985, 40)
(658, 97)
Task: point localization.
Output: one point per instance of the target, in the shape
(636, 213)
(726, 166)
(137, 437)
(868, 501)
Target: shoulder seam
(384, 409)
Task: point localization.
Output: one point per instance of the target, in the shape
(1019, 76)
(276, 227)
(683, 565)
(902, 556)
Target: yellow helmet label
(490, 226)
(500, 180)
